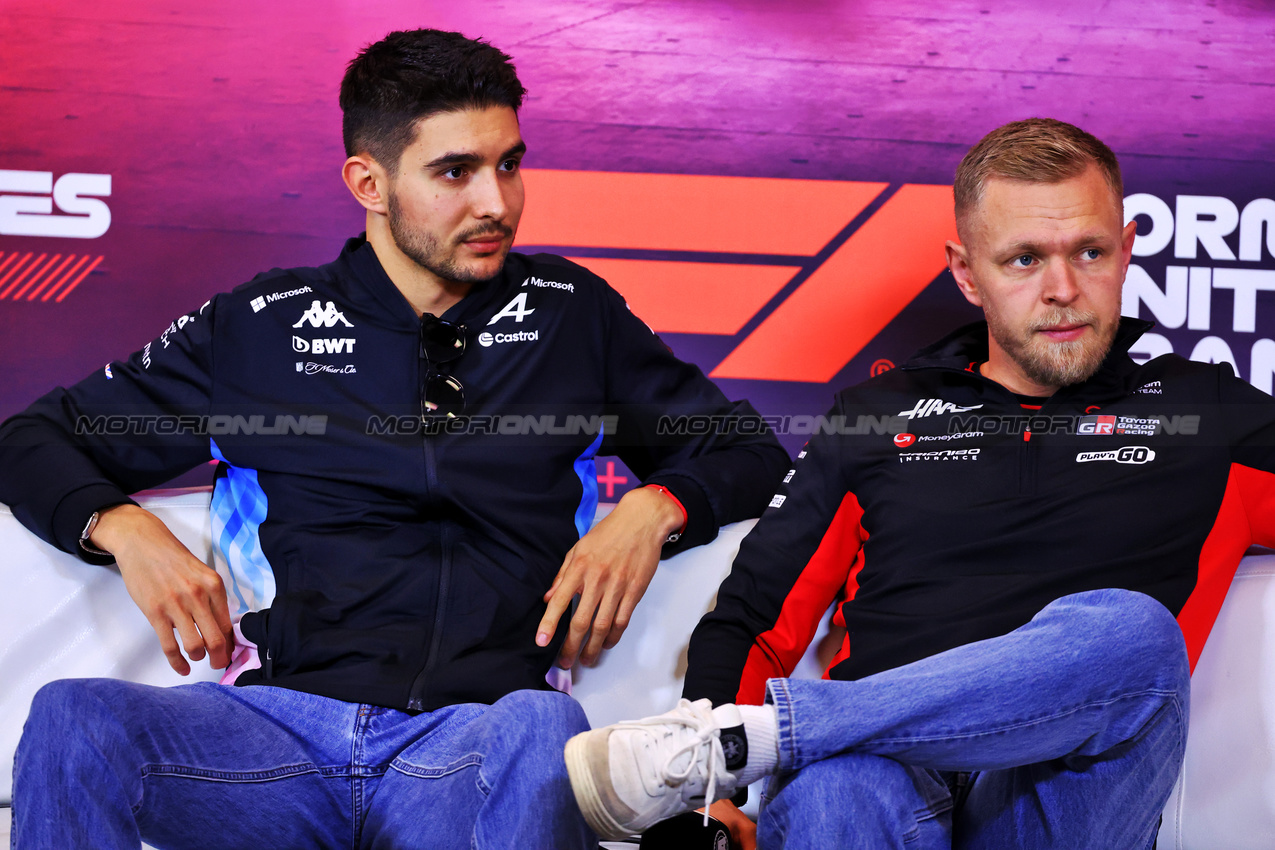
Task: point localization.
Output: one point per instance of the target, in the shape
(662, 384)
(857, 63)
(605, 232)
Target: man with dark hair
(403, 504)
(1012, 561)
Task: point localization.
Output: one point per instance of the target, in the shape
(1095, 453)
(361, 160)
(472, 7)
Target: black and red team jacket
(946, 512)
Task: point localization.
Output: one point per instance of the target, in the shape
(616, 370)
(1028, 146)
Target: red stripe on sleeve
(839, 619)
(775, 652)
(1249, 492)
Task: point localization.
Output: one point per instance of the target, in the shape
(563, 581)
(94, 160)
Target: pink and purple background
(219, 126)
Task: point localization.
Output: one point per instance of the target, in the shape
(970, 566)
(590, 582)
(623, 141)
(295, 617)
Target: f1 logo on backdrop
(27, 199)
(808, 271)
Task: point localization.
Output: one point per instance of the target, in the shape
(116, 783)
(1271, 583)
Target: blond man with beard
(1013, 561)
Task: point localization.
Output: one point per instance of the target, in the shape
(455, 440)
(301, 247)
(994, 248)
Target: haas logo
(322, 317)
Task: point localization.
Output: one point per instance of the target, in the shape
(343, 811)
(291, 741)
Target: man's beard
(1055, 364)
(424, 250)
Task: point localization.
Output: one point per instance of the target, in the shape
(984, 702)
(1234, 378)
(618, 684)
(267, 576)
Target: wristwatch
(88, 532)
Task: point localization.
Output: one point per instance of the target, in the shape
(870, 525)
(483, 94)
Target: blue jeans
(1067, 733)
(107, 764)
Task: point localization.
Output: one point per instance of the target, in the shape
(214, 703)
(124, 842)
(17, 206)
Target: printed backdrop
(767, 182)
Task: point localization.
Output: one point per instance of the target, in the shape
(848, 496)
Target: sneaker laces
(706, 735)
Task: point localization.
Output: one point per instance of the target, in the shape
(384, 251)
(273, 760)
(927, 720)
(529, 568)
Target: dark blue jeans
(107, 764)
(1066, 733)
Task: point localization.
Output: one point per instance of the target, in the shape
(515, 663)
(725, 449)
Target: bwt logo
(322, 346)
(29, 212)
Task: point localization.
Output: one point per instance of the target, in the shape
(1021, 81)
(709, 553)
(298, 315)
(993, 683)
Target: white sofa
(60, 618)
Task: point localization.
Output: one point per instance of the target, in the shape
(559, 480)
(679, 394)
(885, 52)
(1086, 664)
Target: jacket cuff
(73, 512)
(701, 523)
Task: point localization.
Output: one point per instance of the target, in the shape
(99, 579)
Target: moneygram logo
(769, 267)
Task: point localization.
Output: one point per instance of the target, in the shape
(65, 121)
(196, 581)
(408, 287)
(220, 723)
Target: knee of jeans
(1133, 626)
(66, 711)
(545, 714)
(862, 789)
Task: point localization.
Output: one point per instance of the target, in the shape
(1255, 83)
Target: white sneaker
(632, 775)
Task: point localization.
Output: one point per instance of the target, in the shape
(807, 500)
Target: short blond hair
(1037, 150)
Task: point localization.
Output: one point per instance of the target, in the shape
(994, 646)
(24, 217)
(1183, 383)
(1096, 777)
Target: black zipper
(415, 701)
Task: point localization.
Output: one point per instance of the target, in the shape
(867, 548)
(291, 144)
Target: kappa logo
(517, 308)
(1128, 454)
(935, 407)
(322, 346)
(322, 317)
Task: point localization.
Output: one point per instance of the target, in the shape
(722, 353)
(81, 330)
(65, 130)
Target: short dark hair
(413, 74)
(1037, 150)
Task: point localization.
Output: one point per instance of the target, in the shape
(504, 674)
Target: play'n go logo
(27, 199)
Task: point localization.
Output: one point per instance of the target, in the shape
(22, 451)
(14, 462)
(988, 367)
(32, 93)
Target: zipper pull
(269, 665)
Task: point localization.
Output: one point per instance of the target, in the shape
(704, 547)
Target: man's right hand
(743, 831)
(174, 589)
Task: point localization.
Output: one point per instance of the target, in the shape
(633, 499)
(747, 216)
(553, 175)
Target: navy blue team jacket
(406, 561)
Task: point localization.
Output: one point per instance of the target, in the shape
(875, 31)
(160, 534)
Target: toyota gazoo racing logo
(322, 317)
(1128, 454)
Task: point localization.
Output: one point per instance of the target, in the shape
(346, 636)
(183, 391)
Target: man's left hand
(609, 569)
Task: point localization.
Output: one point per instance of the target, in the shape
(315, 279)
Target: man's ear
(367, 182)
(1126, 245)
(958, 261)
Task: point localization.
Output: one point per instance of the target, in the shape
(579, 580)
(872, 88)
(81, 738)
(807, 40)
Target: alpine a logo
(322, 317)
(515, 309)
(322, 346)
(1128, 454)
(935, 407)
(487, 340)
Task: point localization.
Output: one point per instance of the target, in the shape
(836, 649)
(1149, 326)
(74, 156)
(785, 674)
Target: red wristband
(676, 535)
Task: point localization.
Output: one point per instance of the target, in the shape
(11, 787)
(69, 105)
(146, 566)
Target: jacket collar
(968, 344)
